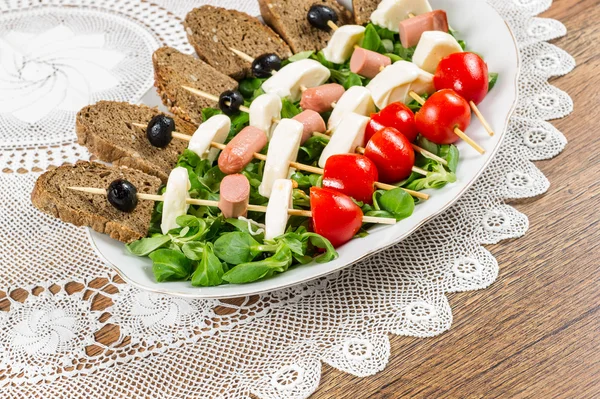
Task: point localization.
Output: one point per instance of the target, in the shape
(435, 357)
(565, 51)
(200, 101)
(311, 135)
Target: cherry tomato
(375, 124)
(396, 115)
(441, 114)
(351, 174)
(465, 73)
(334, 215)
(391, 151)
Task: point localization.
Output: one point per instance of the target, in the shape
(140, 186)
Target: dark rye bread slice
(173, 69)
(51, 195)
(288, 18)
(363, 10)
(214, 30)
(106, 129)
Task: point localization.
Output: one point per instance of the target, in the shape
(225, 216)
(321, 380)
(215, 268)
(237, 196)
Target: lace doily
(271, 345)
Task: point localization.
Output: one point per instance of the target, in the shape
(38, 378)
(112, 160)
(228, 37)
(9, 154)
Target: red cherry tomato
(441, 114)
(351, 174)
(375, 124)
(396, 115)
(334, 215)
(391, 151)
(465, 73)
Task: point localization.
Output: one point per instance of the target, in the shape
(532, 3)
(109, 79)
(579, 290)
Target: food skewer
(254, 208)
(322, 135)
(296, 165)
(456, 130)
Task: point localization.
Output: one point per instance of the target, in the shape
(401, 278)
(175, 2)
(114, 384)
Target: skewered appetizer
(302, 154)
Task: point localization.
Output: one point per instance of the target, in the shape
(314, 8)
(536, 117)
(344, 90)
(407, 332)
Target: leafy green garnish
(289, 109)
(170, 265)
(396, 203)
(209, 269)
(301, 56)
(236, 247)
(146, 245)
(352, 80)
(371, 40)
(492, 79)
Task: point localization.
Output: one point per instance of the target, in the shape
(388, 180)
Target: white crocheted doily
(272, 345)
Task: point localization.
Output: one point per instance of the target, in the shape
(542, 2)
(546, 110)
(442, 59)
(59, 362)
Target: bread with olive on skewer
(106, 129)
(213, 31)
(289, 19)
(51, 195)
(172, 69)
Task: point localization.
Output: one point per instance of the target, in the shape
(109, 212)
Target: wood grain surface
(535, 333)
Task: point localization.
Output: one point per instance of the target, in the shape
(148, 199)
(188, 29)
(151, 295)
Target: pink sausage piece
(234, 195)
(240, 150)
(368, 63)
(312, 122)
(411, 29)
(320, 98)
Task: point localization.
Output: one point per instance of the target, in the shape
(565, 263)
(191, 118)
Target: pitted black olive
(160, 130)
(122, 195)
(318, 16)
(230, 102)
(264, 65)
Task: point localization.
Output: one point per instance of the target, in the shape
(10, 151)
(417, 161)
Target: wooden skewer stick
(242, 55)
(297, 165)
(457, 131)
(255, 208)
(332, 25)
(481, 118)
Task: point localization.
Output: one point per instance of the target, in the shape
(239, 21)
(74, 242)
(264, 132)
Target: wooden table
(535, 333)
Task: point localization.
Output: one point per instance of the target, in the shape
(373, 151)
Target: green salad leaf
(170, 265)
(209, 269)
(147, 245)
(492, 78)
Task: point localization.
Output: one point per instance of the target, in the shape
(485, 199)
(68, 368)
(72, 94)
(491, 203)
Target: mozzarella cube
(283, 149)
(356, 99)
(390, 13)
(277, 216)
(342, 42)
(216, 128)
(290, 80)
(396, 81)
(174, 199)
(263, 111)
(349, 134)
(432, 48)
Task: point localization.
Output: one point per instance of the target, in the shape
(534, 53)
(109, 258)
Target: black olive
(230, 102)
(122, 195)
(264, 65)
(318, 16)
(160, 130)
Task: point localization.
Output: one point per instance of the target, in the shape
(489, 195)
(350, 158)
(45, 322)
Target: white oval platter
(485, 32)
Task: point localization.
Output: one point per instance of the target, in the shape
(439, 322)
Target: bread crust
(48, 200)
(115, 152)
(172, 69)
(218, 54)
(311, 38)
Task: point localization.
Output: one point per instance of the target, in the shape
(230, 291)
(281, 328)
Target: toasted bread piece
(288, 18)
(363, 10)
(106, 129)
(173, 69)
(51, 195)
(214, 30)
